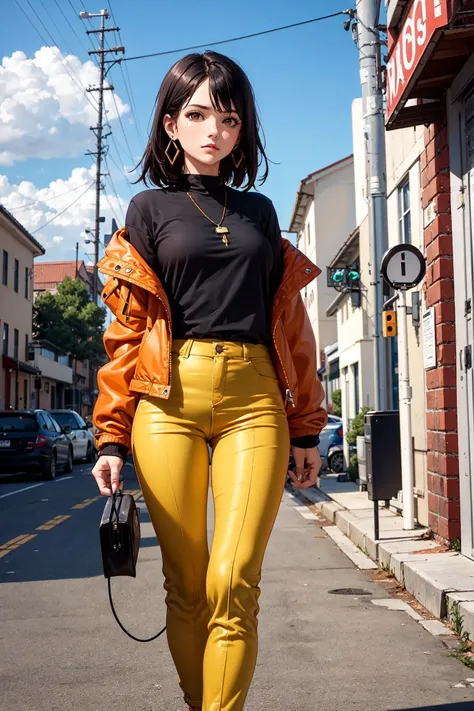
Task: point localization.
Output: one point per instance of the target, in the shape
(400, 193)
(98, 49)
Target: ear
(169, 124)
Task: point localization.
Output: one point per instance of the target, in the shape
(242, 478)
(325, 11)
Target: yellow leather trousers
(225, 394)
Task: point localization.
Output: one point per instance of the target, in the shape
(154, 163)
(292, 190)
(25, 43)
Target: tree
(71, 321)
(357, 425)
(336, 402)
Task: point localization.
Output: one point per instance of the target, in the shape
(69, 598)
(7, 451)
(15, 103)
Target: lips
(211, 145)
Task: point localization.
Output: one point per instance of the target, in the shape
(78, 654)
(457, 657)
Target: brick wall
(441, 415)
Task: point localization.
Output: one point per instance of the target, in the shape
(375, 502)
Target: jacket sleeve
(308, 417)
(115, 407)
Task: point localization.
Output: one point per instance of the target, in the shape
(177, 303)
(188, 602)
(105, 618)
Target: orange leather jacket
(138, 343)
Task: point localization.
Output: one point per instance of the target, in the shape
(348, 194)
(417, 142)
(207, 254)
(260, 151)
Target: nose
(212, 128)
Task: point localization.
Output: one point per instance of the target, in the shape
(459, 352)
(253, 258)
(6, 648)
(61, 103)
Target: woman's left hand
(305, 477)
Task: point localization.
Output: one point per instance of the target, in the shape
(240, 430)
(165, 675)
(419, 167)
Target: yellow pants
(225, 394)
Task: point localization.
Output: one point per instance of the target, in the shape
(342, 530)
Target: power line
(72, 28)
(47, 44)
(65, 209)
(123, 130)
(35, 202)
(236, 39)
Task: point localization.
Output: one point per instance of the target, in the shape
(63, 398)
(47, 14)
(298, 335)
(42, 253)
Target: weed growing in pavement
(456, 545)
(464, 653)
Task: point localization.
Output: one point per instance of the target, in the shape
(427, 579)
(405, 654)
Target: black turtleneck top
(215, 291)
(219, 292)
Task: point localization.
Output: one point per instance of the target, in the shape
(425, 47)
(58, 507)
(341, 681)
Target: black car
(32, 440)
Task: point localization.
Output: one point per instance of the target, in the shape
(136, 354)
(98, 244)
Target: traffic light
(389, 324)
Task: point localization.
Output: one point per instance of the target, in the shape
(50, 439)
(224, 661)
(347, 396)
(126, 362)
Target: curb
(443, 582)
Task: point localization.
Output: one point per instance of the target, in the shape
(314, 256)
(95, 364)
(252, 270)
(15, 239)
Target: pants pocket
(264, 368)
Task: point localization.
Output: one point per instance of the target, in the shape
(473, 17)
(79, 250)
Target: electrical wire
(35, 202)
(236, 39)
(47, 44)
(127, 82)
(65, 209)
(112, 185)
(123, 130)
(71, 27)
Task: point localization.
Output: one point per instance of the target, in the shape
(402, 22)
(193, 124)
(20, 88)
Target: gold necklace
(220, 229)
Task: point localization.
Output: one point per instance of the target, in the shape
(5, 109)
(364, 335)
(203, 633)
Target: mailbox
(383, 456)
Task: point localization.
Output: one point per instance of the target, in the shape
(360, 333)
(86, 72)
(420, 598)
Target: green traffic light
(353, 275)
(338, 276)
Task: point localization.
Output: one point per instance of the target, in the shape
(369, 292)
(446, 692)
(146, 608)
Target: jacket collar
(122, 261)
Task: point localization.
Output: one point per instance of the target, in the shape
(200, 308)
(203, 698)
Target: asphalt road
(61, 648)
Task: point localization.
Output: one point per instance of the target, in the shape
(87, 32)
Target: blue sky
(304, 79)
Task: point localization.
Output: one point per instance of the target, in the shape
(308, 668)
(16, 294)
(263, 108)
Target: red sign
(422, 21)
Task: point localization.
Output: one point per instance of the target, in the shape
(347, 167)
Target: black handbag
(119, 532)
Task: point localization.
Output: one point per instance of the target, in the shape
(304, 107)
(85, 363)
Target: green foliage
(71, 321)
(456, 545)
(353, 470)
(336, 403)
(357, 426)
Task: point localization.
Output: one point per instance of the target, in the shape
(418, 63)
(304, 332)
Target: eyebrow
(209, 108)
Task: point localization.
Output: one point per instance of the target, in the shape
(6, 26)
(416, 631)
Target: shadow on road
(71, 550)
(461, 706)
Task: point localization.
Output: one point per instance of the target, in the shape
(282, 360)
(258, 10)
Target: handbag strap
(119, 494)
(137, 639)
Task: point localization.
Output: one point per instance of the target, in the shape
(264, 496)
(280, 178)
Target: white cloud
(34, 207)
(43, 113)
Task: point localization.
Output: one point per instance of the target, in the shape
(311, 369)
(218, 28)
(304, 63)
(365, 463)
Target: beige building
(17, 251)
(323, 217)
(355, 323)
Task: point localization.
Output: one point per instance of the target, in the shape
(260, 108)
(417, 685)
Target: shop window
(404, 211)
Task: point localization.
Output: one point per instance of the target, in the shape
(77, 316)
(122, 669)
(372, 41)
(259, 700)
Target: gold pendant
(224, 232)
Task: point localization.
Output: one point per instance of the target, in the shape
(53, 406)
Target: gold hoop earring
(238, 162)
(173, 159)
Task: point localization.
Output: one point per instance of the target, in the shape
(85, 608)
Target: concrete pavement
(319, 651)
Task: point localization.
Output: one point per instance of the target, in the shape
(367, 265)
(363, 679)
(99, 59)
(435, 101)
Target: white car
(81, 436)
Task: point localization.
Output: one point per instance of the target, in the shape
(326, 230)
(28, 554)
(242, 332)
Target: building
(56, 376)
(76, 389)
(323, 216)
(431, 86)
(18, 249)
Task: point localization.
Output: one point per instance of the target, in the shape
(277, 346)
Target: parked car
(81, 435)
(32, 440)
(331, 440)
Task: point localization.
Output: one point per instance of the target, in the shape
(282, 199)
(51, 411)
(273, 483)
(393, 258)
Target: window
(16, 275)
(404, 211)
(355, 372)
(6, 330)
(16, 342)
(27, 279)
(27, 339)
(5, 268)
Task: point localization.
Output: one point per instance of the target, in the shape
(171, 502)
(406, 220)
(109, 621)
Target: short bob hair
(227, 83)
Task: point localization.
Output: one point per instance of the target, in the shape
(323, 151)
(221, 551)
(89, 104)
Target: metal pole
(77, 258)
(405, 415)
(374, 129)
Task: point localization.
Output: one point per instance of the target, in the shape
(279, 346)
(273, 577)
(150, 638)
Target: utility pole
(98, 130)
(368, 36)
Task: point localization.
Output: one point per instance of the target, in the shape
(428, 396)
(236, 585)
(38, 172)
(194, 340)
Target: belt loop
(246, 352)
(186, 349)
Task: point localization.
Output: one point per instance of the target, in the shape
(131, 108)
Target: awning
(431, 44)
(13, 364)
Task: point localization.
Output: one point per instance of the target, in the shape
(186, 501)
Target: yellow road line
(54, 522)
(86, 502)
(15, 543)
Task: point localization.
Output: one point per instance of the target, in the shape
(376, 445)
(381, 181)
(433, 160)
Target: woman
(211, 344)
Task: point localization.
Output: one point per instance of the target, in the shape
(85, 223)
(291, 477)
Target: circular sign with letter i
(403, 266)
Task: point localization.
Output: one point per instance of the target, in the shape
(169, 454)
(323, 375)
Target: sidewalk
(442, 581)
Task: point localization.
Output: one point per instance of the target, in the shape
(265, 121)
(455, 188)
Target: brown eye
(232, 122)
(194, 116)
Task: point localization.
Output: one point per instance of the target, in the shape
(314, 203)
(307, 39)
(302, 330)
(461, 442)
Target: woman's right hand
(107, 474)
